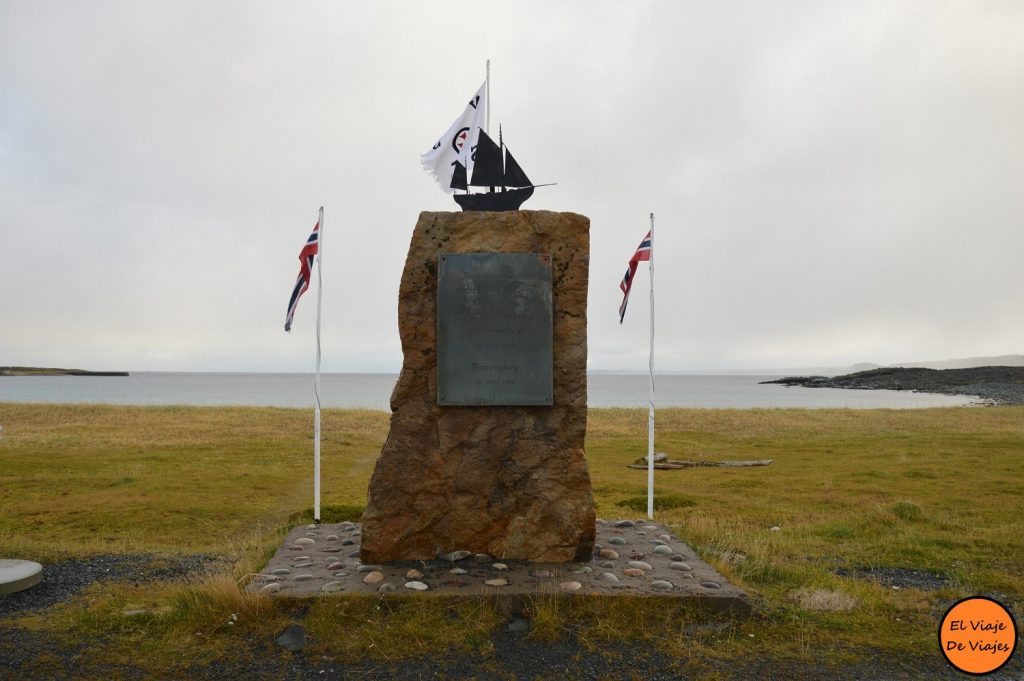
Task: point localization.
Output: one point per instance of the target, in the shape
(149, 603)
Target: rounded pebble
(661, 585)
(373, 578)
(336, 565)
(482, 557)
(500, 566)
(314, 526)
(416, 586)
(341, 574)
(346, 525)
(624, 523)
(496, 582)
(606, 564)
(304, 541)
(456, 555)
(571, 586)
(711, 585)
(413, 574)
(663, 550)
(332, 537)
(686, 575)
(677, 557)
(368, 568)
(608, 577)
(333, 586)
(457, 571)
(281, 571)
(270, 588)
(640, 565)
(585, 570)
(680, 566)
(302, 578)
(651, 527)
(617, 541)
(296, 558)
(609, 553)
(542, 574)
(633, 572)
(601, 521)
(386, 587)
(658, 542)
(665, 537)
(304, 564)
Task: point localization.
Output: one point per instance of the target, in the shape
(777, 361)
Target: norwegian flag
(643, 252)
(306, 256)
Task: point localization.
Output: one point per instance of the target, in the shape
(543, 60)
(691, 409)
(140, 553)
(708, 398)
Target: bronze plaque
(494, 338)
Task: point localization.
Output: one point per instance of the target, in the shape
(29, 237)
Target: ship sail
(487, 165)
(514, 175)
(459, 176)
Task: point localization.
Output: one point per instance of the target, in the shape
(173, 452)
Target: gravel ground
(63, 580)
(30, 656)
(898, 578)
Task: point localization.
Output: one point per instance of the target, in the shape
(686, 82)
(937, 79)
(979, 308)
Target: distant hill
(966, 363)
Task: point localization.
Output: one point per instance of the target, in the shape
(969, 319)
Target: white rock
(571, 586)
(496, 582)
(304, 541)
(416, 586)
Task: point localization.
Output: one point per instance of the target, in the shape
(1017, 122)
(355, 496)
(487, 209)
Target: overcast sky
(833, 182)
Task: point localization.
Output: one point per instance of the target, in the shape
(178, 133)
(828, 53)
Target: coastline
(996, 385)
(48, 371)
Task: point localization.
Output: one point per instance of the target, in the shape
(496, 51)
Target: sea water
(373, 391)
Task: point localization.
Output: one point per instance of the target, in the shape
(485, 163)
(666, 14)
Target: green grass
(933, 490)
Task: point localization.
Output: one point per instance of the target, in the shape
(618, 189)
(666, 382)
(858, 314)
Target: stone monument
(486, 448)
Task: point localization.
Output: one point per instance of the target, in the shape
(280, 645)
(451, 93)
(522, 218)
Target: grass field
(938, 491)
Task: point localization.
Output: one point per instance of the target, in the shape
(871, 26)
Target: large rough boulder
(508, 481)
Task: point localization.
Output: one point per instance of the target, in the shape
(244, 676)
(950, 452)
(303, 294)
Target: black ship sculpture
(494, 167)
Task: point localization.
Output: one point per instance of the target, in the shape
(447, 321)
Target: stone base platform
(632, 558)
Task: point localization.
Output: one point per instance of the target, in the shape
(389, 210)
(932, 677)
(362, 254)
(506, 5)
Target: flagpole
(487, 127)
(316, 385)
(650, 413)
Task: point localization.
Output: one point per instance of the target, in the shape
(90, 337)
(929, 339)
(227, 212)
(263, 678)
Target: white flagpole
(316, 385)
(650, 413)
(487, 127)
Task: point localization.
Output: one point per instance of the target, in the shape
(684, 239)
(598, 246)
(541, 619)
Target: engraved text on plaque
(494, 340)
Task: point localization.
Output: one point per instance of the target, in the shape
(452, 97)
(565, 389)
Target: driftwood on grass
(675, 464)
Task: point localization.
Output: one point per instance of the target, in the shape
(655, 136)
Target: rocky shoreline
(994, 384)
(46, 371)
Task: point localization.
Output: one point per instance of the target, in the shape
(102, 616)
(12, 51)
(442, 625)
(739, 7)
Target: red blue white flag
(643, 252)
(306, 256)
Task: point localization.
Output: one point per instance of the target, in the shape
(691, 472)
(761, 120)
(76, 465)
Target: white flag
(457, 143)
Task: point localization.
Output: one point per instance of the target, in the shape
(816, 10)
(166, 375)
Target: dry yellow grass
(935, 490)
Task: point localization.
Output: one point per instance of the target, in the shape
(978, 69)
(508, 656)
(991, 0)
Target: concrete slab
(18, 575)
(323, 560)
